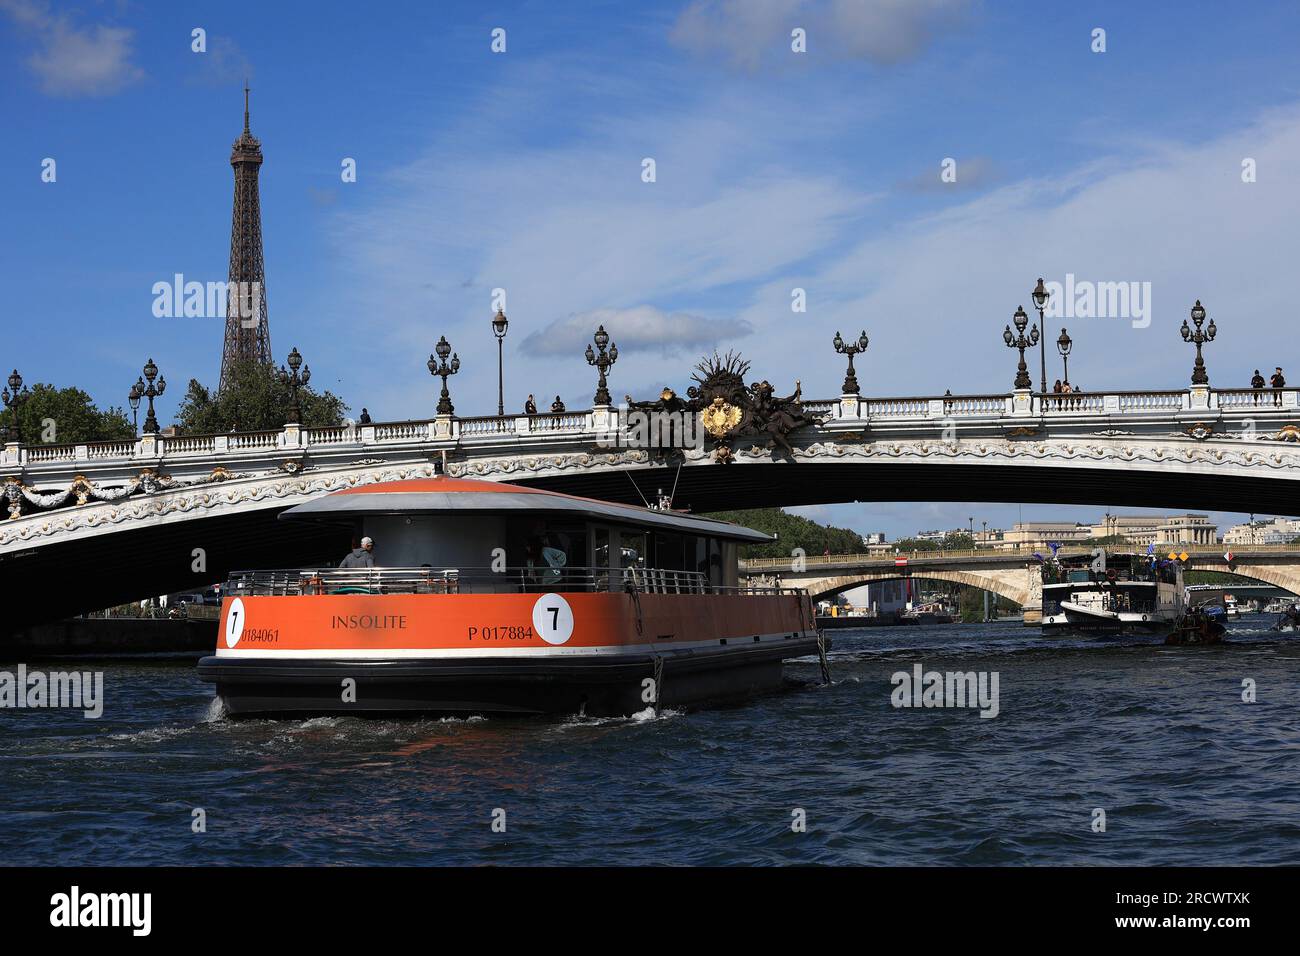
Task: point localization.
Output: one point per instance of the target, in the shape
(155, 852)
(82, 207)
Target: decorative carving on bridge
(534, 464)
(730, 411)
(1289, 433)
(83, 491)
(275, 486)
(1200, 431)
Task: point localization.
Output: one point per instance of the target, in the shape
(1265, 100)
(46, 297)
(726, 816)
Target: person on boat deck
(545, 561)
(361, 557)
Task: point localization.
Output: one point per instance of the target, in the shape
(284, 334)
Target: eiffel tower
(248, 334)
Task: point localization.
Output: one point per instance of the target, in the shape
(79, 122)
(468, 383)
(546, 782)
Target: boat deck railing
(516, 580)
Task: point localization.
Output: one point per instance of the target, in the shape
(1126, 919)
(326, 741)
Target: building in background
(1273, 531)
(1037, 535)
(881, 597)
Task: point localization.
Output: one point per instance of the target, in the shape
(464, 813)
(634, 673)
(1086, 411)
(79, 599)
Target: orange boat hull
(593, 653)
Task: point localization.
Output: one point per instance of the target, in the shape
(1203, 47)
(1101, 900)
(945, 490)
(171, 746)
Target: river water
(1158, 738)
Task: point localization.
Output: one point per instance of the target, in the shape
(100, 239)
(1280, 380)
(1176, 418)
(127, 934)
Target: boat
(1279, 605)
(1108, 592)
(1203, 624)
(501, 599)
(849, 615)
(1288, 619)
(934, 613)
(1230, 607)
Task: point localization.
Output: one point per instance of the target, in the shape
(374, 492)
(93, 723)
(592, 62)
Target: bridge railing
(1024, 551)
(475, 430)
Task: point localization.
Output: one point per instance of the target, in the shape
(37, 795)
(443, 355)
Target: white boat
(1111, 592)
(1230, 606)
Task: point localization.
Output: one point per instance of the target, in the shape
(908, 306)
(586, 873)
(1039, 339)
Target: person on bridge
(365, 417)
(1257, 383)
(530, 406)
(362, 557)
(1278, 383)
(557, 406)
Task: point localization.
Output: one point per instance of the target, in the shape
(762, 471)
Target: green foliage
(1215, 577)
(1117, 541)
(907, 545)
(66, 416)
(952, 541)
(254, 400)
(793, 532)
(971, 605)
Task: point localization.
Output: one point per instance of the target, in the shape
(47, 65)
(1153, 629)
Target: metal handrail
(512, 580)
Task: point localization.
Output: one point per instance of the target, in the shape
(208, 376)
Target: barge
(488, 598)
(1112, 593)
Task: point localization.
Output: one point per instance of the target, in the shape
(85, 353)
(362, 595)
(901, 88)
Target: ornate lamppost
(851, 377)
(442, 368)
(499, 326)
(295, 381)
(1022, 342)
(603, 361)
(1040, 296)
(133, 399)
(1199, 376)
(1063, 345)
(13, 397)
(151, 391)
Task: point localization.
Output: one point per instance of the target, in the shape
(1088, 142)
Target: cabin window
(670, 552)
(632, 549)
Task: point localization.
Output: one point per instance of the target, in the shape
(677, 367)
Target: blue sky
(774, 170)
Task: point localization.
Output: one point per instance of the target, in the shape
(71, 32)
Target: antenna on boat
(673, 496)
(638, 490)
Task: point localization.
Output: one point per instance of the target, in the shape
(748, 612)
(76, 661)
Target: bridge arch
(1010, 585)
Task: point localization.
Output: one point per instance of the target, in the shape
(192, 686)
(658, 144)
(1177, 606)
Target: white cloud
(643, 327)
(75, 60)
(741, 215)
(935, 292)
(752, 33)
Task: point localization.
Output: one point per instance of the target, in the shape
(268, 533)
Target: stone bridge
(1010, 574)
(107, 522)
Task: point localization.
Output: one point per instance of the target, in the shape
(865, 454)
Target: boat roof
(442, 495)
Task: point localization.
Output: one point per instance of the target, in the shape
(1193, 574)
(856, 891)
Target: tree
(254, 399)
(792, 532)
(905, 545)
(66, 416)
(958, 541)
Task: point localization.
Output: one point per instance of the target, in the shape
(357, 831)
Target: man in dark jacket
(1278, 383)
(361, 557)
(1257, 383)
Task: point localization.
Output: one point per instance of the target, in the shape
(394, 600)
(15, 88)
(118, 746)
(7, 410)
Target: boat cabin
(489, 537)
